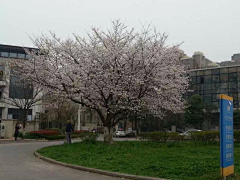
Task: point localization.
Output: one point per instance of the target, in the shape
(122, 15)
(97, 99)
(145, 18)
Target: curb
(98, 171)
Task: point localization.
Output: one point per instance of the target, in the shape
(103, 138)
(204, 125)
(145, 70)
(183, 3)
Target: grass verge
(183, 160)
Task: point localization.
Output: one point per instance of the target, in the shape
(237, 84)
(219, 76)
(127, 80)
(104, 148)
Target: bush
(59, 137)
(155, 136)
(44, 134)
(206, 136)
(55, 137)
(175, 137)
(20, 135)
(80, 132)
(30, 136)
(88, 137)
(57, 129)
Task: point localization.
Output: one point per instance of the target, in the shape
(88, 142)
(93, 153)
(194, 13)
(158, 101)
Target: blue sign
(226, 135)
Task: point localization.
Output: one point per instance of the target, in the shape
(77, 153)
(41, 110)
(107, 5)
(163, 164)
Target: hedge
(80, 132)
(203, 136)
(43, 134)
(59, 137)
(206, 136)
(161, 136)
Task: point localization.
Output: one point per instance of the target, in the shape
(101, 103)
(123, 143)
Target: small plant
(89, 138)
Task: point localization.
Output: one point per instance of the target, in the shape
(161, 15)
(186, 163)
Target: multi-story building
(197, 61)
(10, 87)
(211, 82)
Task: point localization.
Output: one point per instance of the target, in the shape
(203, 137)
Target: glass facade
(19, 89)
(210, 83)
(13, 55)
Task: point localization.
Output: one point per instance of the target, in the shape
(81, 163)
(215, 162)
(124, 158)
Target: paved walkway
(17, 162)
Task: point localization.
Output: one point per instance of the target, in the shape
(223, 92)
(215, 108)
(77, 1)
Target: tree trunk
(24, 118)
(209, 124)
(108, 134)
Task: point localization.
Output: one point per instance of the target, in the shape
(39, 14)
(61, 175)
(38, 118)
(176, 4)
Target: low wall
(11, 123)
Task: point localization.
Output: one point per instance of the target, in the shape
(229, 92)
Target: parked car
(188, 132)
(120, 133)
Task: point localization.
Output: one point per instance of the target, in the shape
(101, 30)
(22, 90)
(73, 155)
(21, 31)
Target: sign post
(226, 135)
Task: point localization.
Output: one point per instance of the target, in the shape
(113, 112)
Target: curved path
(17, 162)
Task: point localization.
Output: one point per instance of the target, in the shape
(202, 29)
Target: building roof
(14, 49)
(198, 53)
(186, 57)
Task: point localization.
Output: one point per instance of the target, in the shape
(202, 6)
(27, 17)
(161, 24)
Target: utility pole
(79, 117)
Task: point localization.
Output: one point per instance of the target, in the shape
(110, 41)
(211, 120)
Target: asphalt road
(17, 162)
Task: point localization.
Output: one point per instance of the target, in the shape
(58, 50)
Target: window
(238, 76)
(234, 95)
(13, 55)
(216, 85)
(207, 86)
(207, 98)
(224, 70)
(207, 79)
(215, 78)
(232, 85)
(224, 90)
(207, 72)
(20, 89)
(232, 76)
(17, 113)
(4, 54)
(223, 77)
(199, 73)
(194, 80)
(233, 69)
(193, 73)
(215, 71)
(21, 56)
(200, 87)
(215, 97)
(224, 85)
(207, 91)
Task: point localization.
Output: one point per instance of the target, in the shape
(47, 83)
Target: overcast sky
(210, 26)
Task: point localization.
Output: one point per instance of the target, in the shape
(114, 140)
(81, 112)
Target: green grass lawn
(186, 160)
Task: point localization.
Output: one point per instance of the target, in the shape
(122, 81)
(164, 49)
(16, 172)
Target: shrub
(44, 134)
(57, 129)
(60, 137)
(175, 137)
(155, 136)
(20, 135)
(88, 137)
(207, 136)
(30, 136)
(80, 132)
(55, 137)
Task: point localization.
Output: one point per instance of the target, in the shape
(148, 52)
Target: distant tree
(194, 114)
(59, 110)
(209, 109)
(236, 118)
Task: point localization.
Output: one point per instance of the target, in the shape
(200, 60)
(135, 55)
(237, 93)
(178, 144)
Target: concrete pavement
(17, 162)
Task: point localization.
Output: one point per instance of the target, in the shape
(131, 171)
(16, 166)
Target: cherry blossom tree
(115, 72)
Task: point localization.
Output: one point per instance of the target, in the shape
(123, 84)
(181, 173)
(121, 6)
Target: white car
(188, 132)
(120, 133)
